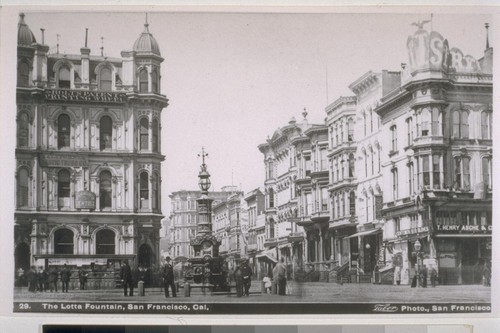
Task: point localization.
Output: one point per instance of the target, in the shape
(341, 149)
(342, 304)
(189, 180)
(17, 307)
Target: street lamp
(418, 247)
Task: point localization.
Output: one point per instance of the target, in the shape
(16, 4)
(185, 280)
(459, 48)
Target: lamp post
(418, 247)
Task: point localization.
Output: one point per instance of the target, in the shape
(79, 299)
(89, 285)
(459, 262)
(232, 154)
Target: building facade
(366, 244)
(255, 207)
(342, 143)
(437, 171)
(88, 155)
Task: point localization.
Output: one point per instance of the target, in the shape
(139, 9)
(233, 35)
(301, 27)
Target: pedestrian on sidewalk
(82, 277)
(246, 274)
(32, 279)
(127, 278)
(168, 278)
(238, 278)
(267, 283)
(434, 277)
(279, 273)
(487, 274)
(423, 275)
(65, 276)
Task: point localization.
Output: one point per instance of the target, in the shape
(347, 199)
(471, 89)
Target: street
(315, 292)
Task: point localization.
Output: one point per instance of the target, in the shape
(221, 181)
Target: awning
(365, 233)
(268, 255)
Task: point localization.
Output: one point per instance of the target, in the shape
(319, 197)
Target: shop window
(144, 190)
(105, 79)
(105, 132)
(144, 134)
(63, 131)
(23, 188)
(156, 138)
(105, 190)
(63, 241)
(105, 242)
(63, 188)
(143, 81)
(23, 75)
(64, 78)
(23, 130)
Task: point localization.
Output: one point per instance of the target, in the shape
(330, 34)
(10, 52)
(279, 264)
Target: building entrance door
(145, 256)
(22, 260)
(471, 265)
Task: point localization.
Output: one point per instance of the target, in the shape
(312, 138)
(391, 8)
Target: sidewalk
(310, 292)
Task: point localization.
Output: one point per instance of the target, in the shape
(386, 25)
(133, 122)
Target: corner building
(88, 156)
(437, 169)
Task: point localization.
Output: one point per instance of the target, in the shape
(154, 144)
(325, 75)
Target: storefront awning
(268, 255)
(365, 233)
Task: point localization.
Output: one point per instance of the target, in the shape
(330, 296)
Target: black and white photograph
(281, 162)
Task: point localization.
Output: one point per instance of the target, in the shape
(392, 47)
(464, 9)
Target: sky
(232, 79)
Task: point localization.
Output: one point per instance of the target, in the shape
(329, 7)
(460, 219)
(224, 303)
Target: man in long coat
(168, 277)
(65, 276)
(246, 274)
(279, 274)
(127, 278)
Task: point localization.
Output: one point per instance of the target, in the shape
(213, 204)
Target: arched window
(425, 122)
(64, 77)
(154, 81)
(350, 130)
(394, 184)
(487, 172)
(436, 121)
(144, 189)
(23, 75)
(461, 124)
(63, 188)
(63, 131)
(155, 192)
(352, 203)
(155, 136)
(105, 242)
(409, 130)
(485, 125)
(105, 77)
(105, 190)
(144, 134)
(23, 130)
(394, 138)
(63, 241)
(462, 173)
(105, 132)
(23, 188)
(143, 80)
(351, 165)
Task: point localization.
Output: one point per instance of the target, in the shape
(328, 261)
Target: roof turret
(146, 44)
(24, 35)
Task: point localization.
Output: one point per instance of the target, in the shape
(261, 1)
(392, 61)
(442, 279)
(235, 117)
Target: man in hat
(168, 277)
(246, 274)
(127, 278)
(65, 277)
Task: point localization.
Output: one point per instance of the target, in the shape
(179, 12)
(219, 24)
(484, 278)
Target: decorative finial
(102, 46)
(146, 24)
(86, 35)
(420, 24)
(487, 26)
(58, 42)
(203, 154)
(304, 114)
(21, 17)
(43, 35)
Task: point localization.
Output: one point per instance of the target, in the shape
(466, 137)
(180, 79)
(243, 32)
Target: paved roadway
(311, 292)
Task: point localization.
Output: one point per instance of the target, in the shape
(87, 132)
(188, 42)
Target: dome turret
(24, 35)
(146, 43)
